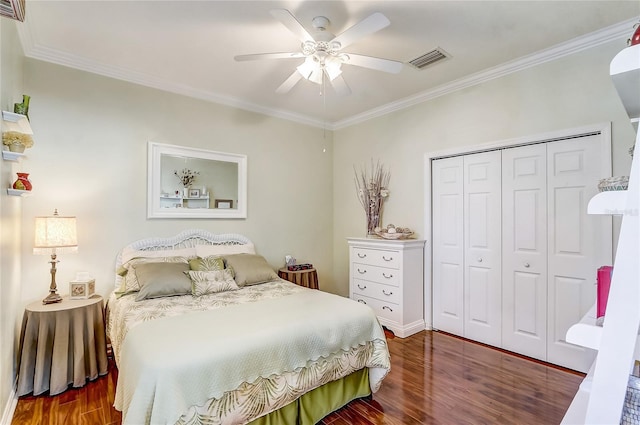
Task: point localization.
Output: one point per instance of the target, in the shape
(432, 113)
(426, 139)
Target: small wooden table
(307, 278)
(61, 344)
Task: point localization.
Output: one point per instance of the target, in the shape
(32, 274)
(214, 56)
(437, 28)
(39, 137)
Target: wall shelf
(586, 333)
(612, 202)
(16, 192)
(12, 156)
(625, 73)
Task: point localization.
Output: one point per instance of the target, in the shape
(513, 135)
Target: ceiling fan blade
(258, 56)
(340, 86)
(385, 65)
(292, 24)
(367, 26)
(289, 83)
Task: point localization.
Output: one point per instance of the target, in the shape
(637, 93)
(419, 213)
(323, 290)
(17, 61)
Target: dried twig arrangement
(372, 189)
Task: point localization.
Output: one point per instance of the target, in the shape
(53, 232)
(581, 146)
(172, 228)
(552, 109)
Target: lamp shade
(55, 232)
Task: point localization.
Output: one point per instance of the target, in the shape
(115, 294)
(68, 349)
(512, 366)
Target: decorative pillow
(207, 264)
(129, 254)
(222, 250)
(161, 280)
(130, 280)
(210, 282)
(250, 269)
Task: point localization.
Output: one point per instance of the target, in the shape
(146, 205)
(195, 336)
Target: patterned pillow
(130, 280)
(210, 282)
(207, 264)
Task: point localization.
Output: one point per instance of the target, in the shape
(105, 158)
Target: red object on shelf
(604, 282)
(635, 38)
(23, 182)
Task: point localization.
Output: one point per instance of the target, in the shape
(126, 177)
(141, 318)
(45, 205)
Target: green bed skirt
(311, 407)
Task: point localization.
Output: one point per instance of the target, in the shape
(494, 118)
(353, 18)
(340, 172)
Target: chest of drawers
(388, 276)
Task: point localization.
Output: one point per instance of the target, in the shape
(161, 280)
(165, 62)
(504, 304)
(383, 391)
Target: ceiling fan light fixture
(333, 67)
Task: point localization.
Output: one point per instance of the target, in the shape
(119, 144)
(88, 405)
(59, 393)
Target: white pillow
(207, 250)
(128, 253)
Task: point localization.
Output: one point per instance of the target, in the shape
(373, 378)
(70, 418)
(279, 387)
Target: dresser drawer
(378, 291)
(387, 310)
(375, 274)
(376, 257)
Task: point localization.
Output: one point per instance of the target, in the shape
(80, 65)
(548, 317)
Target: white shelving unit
(601, 396)
(16, 192)
(169, 201)
(12, 156)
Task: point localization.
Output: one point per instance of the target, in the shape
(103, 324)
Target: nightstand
(307, 278)
(61, 344)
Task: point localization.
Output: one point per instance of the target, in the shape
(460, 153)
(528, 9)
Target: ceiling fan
(323, 55)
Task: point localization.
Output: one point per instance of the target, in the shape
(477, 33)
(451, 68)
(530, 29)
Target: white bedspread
(164, 370)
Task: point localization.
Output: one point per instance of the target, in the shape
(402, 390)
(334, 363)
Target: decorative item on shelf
(16, 132)
(82, 287)
(186, 176)
(393, 232)
(289, 260)
(22, 108)
(635, 37)
(22, 183)
(54, 234)
(372, 189)
(613, 183)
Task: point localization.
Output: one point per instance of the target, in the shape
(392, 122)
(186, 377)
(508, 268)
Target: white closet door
(482, 237)
(448, 248)
(573, 171)
(524, 250)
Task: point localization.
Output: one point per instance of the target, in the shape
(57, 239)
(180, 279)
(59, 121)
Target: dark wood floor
(435, 379)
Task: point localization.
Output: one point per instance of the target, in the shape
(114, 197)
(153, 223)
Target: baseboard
(10, 407)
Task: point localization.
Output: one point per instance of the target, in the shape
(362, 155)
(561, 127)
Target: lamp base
(52, 298)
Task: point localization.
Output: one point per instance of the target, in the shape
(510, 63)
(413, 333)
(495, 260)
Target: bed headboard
(187, 239)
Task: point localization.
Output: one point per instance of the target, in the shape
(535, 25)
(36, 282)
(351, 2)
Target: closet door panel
(573, 171)
(482, 234)
(448, 245)
(524, 250)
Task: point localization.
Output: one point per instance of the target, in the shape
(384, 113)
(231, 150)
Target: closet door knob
(526, 265)
(479, 259)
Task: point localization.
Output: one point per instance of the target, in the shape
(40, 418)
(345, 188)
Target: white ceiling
(188, 47)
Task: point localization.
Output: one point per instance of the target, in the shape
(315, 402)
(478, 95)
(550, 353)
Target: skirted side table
(61, 344)
(307, 278)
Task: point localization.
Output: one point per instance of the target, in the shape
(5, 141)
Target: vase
(635, 38)
(22, 108)
(16, 147)
(185, 192)
(22, 183)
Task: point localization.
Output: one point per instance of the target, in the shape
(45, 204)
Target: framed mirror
(188, 182)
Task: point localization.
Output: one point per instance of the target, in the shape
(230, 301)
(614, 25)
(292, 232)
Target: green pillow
(161, 280)
(250, 269)
(207, 264)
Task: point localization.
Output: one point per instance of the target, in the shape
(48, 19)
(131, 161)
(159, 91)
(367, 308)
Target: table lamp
(55, 234)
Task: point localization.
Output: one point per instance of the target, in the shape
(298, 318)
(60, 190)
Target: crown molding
(612, 33)
(31, 49)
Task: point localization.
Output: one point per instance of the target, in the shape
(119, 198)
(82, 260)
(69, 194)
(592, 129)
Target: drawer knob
(384, 291)
(362, 271)
(362, 255)
(361, 301)
(387, 259)
(386, 276)
(362, 287)
(384, 307)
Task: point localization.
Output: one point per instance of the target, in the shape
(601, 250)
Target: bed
(204, 332)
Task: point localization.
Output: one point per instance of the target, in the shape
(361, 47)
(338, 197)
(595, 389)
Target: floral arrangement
(11, 137)
(372, 189)
(186, 176)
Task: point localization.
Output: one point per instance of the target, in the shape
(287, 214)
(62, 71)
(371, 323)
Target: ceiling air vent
(436, 55)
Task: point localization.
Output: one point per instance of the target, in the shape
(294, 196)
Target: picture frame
(223, 203)
(194, 193)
